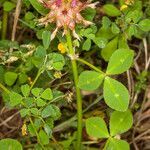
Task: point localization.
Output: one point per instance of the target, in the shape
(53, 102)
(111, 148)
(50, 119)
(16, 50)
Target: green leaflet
(46, 38)
(8, 6)
(115, 144)
(120, 61)
(10, 78)
(145, 25)
(96, 127)
(90, 80)
(120, 122)
(10, 144)
(25, 89)
(108, 50)
(111, 10)
(15, 99)
(43, 137)
(115, 94)
(47, 94)
(39, 8)
(86, 45)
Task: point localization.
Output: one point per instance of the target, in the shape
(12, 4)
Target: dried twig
(17, 13)
(8, 119)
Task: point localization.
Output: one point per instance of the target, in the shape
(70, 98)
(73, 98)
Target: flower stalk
(66, 14)
(78, 93)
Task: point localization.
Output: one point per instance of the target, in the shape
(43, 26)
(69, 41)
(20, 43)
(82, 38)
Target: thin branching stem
(37, 135)
(36, 78)
(4, 88)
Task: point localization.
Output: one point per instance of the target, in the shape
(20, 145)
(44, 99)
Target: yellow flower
(24, 129)
(123, 7)
(61, 48)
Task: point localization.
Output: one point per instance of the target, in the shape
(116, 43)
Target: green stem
(78, 93)
(36, 78)
(4, 25)
(4, 88)
(37, 135)
(90, 65)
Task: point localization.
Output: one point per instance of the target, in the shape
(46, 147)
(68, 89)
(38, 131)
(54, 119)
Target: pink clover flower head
(65, 14)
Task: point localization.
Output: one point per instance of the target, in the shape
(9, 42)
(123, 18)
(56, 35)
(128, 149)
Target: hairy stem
(78, 93)
(4, 25)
